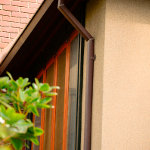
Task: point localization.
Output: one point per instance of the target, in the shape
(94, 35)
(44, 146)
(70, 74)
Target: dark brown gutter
(89, 73)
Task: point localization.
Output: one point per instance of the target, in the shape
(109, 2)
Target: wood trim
(51, 61)
(67, 71)
(40, 74)
(53, 121)
(66, 46)
(73, 35)
(66, 94)
(61, 49)
(42, 116)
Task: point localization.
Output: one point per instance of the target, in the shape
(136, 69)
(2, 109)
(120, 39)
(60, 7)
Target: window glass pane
(60, 101)
(48, 112)
(72, 106)
(37, 123)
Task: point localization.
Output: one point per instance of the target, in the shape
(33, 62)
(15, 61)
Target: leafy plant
(18, 99)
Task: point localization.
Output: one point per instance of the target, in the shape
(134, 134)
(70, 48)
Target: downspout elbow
(89, 73)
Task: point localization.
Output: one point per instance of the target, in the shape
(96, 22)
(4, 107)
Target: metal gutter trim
(90, 71)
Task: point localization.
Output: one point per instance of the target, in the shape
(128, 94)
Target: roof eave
(14, 47)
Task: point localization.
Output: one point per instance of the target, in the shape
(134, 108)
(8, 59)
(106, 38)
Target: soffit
(42, 27)
(14, 47)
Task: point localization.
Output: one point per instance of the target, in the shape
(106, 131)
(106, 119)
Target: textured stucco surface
(126, 84)
(95, 19)
(121, 100)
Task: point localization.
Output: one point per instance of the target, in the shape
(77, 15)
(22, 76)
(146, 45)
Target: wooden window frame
(54, 60)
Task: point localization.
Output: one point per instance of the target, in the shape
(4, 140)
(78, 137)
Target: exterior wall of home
(14, 16)
(95, 23)
(121, 100)
(126, 91)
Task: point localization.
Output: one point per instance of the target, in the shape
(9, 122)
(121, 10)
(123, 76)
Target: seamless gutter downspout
(89, 72)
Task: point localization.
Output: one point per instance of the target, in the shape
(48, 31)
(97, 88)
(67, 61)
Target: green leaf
(36, 94)
(54, 87)
(5, 131)
(35, 140)
(22, 125)
(3, 113)
(25, 82)
(22, 95)
(4, 82)
(29, 91)
(51, 94)
(28, 135)
(14, 97)
(2, 101)
(45, 100)
(35, 86)
(17, 143)
(38, 131)
(20, 82)
(44, 87)
(17, 99)
(15, 106)
(34, 100)
(10, 116)
(13, 85)
(33, 109)
(10, 76)
(37, 82)
(43, 106)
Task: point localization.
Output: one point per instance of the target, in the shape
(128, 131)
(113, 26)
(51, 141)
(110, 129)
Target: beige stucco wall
(121, 100)
(95, 24)
(126, 91)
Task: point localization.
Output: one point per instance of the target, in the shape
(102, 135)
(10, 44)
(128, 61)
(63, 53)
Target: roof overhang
(36, 36)
(14, 47)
